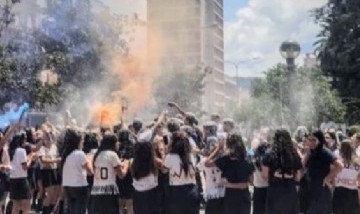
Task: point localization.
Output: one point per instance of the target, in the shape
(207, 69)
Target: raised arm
(336, 168)
(210, 161)
(8, 134)
(177, 107)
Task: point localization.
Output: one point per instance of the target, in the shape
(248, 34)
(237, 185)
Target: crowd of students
(174, 166)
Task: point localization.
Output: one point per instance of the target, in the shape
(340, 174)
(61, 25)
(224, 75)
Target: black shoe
(39, 206)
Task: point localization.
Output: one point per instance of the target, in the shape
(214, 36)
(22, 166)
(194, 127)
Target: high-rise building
(191, 34)
(310, 61)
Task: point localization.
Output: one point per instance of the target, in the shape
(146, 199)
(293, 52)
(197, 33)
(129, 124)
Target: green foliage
(65, 42)
(269, 105)
(182, 86)
(339, 50)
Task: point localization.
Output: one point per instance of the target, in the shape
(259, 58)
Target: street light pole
(290, 50)
(237, 65)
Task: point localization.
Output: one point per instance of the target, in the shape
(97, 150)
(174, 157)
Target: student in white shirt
(183, 196)
(74, 170)
(20, 192)
(214, 187)
(346, 199)
(51, 181)
(107, 165)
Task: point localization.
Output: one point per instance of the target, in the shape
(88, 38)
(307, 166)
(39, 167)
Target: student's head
(126, 144)
(108, 143)
(228, 125)
(180, 145)
(190, 119)
(48, 138)
(300, 134)
(330, 139)
(143, 162)
(137, 125)
(215, 118)
(235, 146)
(282, 137)
(347, 151)
(73, 140)
(123, 136)
(30, 135)
(173, 125)
(315, 139)
(210, 128)
(284, 154)
(18, 140)
(90, 142)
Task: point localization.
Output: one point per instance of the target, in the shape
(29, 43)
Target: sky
(255, 29)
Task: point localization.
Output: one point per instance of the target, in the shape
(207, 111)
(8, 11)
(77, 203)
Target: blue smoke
(13, 115)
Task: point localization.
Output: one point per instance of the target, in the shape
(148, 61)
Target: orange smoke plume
(106, 114)
(136, 77)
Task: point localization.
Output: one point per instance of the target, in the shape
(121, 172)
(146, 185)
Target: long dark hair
(108, 143)
(347, 152)
(332, 135)
(72, 140)
(17, 141)
(29, 136)
(143, 162)
(260, 152)
(126, 149)
(180, 145)
(284, 155)
(236, 146)
(319, 135)
(90, 142)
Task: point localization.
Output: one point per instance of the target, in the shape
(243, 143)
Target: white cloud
(260, 28)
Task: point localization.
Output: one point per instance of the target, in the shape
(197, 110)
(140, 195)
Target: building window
(219, 64)
(219, 10)
(219, 43)
(219, 53)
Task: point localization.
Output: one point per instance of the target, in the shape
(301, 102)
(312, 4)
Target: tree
(66, 42)
(182, 86)
(339, 50)
(269, 103)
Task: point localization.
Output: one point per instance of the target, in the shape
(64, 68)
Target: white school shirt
(74, 175)
(146, 183)
(49, 153)
(259, 181)
(19, 158)
(105, 175)
(177, 175)
(348, 177)
(214, 183)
